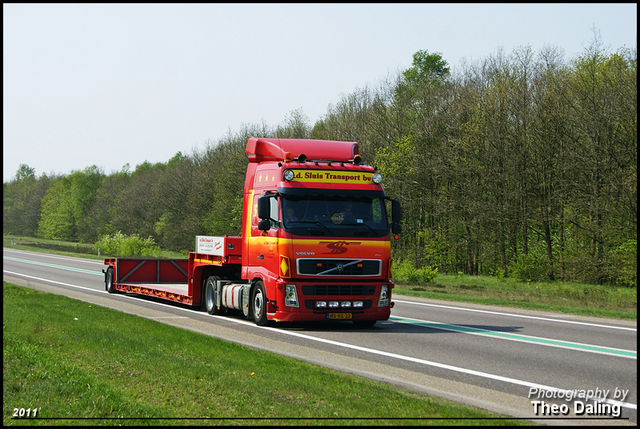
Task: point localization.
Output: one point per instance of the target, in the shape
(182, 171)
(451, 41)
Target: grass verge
(82, 364)
(69, 248)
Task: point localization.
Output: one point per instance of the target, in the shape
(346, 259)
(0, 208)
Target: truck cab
(316, 234)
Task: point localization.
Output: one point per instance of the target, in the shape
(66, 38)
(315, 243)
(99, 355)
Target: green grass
(82, 364)
(564, 297)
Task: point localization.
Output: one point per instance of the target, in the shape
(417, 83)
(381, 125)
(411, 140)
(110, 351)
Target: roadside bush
(405, 271)
(427, 274)
(122, 245)
(498, 273)
(531, 267)
(621, 264)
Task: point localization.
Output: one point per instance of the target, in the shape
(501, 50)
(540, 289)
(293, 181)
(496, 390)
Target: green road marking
(53, 266)
(515, 337)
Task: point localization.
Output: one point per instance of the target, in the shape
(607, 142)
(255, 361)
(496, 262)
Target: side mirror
(396, 211)
(264, 207)
(396, 215)
(264, 225)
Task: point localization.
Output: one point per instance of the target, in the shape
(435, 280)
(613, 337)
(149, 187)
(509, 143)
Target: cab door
(263, 243)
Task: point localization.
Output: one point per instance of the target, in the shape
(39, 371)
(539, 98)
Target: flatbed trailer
(169, 278)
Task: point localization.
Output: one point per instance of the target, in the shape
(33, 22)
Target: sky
(115, 84)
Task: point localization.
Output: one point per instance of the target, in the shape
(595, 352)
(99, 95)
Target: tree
(56, 214)
(295, 126)
(427, 69)
(83, 187)
(104, 210)
(349, 120)
(21, 202)
(24, 171)
(603, 147)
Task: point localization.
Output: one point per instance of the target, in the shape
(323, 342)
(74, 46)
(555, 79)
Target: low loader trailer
(315, 243)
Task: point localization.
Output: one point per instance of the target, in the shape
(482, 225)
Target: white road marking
(46, 255)
(52, 281)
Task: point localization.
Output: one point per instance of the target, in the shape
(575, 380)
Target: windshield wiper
(315, 222)
(375, 232)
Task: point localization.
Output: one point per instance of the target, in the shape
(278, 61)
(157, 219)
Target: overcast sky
(111, 84)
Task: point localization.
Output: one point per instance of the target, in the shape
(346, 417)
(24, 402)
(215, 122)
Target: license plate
(338, 315)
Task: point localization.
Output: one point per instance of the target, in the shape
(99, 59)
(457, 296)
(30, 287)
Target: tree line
(520, 164)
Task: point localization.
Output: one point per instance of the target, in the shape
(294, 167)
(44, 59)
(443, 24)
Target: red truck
(315, 243)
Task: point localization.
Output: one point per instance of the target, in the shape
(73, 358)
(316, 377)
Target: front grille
(339, 267)
(338, 290)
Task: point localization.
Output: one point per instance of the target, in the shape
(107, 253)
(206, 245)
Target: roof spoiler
(267, 149)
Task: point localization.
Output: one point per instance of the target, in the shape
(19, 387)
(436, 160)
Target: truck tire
(259, 304)
(108, 281)
(210, 298)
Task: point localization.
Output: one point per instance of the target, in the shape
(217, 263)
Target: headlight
(383, 301)
(321, 304)
(290, 296)
(358, 304)
(288, 175)
(345, 304)
(334, 304)
(377, 178)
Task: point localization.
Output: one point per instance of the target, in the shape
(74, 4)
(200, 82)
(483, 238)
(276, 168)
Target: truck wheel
(108, 281)
(259, 304)
(210, 300)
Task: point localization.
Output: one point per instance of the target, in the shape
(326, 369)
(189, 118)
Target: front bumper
(293, 314)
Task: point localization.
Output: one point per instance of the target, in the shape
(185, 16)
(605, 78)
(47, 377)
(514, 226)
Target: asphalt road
(505, 360)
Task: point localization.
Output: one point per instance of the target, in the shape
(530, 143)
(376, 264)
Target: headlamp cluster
(339, 304)
(288, 175)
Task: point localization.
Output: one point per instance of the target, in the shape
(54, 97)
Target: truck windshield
(334, 215)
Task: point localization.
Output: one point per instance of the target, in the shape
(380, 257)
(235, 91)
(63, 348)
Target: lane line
(351, 346)
(53, 281)
(517, 315)
(168, 317)
(610, 351)
(44, 264)
(46, 255)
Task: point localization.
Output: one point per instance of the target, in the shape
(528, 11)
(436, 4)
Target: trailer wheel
(259, 304)
(210, 295)
(108, 281)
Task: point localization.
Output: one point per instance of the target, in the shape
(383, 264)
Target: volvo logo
(340, 267)
(338, 247)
